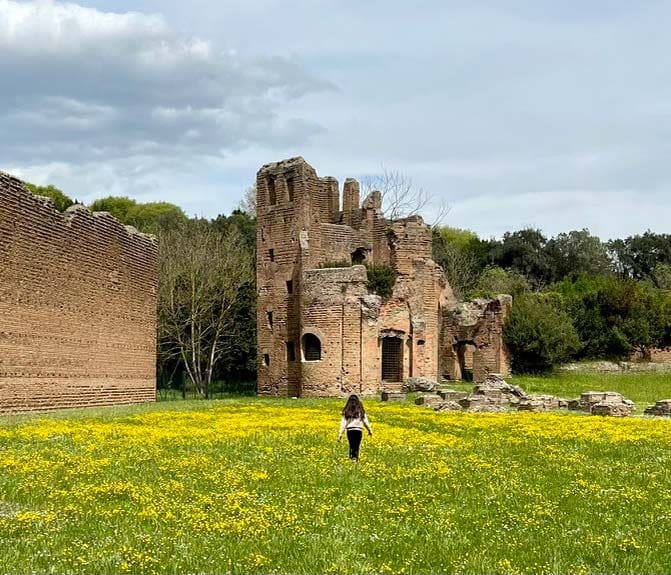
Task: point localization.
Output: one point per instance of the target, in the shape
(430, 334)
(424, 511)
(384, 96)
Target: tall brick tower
(291, 199)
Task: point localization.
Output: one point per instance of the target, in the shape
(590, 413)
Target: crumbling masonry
(77, 306)
(320, 331)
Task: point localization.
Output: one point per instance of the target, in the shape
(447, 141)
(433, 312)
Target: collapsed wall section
(77, 306)
(473, 339)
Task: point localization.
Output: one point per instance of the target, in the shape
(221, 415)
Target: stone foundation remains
(77, 306)
(495, 395)
(321, 332)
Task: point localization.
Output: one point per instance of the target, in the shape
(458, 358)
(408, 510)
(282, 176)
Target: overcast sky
(537, 113)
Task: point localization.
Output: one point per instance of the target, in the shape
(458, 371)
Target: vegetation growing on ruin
(381, 280)
(258, 486)
(60, 200)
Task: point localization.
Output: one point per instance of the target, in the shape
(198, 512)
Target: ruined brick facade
(473, 339)
(320, 331)
(77, 306)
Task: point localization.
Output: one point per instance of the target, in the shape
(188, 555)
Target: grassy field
(255, 485)
(642, 388)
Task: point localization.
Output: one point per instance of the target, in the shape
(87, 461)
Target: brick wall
(77, 306)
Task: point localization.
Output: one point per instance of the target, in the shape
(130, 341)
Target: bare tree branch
(400, 198)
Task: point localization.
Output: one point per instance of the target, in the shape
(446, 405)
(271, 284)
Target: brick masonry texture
(301, 230)
(77, 306)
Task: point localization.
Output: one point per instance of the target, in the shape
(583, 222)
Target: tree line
(576, 297)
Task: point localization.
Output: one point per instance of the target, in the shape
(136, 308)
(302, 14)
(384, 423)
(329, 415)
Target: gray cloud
(552, 114)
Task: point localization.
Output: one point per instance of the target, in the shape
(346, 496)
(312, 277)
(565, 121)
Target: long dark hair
(353, 408)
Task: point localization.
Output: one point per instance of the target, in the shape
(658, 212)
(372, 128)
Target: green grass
(253, 485)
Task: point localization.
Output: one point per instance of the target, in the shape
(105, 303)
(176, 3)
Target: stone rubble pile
(495, 395)
(419, 384)
(662, 408)
(539, 403)
(602, 403)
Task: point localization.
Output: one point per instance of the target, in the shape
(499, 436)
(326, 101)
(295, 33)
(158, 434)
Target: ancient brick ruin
(77, 306)
(320, 331)
(473, 342)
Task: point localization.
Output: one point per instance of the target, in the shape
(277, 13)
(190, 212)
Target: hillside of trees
(576, 297)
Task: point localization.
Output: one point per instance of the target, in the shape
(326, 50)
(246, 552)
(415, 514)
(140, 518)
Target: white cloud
(82, 85)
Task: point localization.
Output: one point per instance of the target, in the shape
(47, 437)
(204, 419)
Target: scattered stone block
(662, 408)
(419, 384)
(538, 403)
(589, 399)
(480, 403)
(393, 396)
(487, 408)
(612, 409)
(448, 406)
(428, 400)
(452, 394)
(499, 391)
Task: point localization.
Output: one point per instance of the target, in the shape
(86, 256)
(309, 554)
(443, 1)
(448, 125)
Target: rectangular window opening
(266, 359)
(272, 194)
(291, 351)
(269, 316)
(290, 189)
(271, 255)
(290, 286)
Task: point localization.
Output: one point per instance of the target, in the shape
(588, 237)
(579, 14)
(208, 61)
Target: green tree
(577, 252)
(524, 252)
(539, 333)
(637, 257)
(663, 276)
(495, 280)
(239, 358)
(615, 317)
(146, 217)
(462, 255)
(119, 207)
(60, 200)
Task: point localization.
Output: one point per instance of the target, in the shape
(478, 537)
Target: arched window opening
(312, 347)
(358, 256)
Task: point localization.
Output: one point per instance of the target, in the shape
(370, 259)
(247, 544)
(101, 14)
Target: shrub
(381, 279)
(539, 333)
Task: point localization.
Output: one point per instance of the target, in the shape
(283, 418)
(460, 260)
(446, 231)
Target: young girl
(354, 419)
